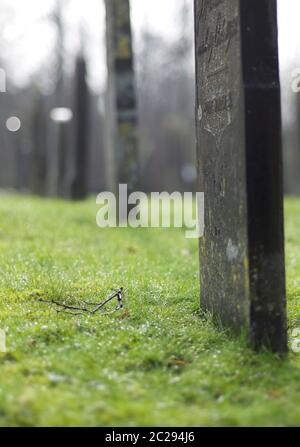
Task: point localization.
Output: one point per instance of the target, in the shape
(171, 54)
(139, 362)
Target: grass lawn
(157, 362)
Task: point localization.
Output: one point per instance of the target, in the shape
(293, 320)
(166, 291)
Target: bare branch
(67, 308)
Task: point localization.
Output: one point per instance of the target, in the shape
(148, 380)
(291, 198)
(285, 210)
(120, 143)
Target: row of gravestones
(50, 155)
(239, 157)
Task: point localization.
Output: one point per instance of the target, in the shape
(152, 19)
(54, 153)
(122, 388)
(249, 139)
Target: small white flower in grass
(295, 341)
(56, 378)
(2, 341)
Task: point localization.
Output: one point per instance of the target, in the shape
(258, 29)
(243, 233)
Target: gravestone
(38, 161)
(239, 160)
(62, 153)
(79, 189)
(121, 104)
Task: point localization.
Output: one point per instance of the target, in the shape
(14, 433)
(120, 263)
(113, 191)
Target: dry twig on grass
(80, 310)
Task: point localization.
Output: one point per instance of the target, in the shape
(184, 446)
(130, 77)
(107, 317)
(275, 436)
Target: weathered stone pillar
(121, 105)
(81, 111)
(240, 167)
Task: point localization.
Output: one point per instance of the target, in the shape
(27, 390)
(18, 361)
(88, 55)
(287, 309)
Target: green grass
(155, 363)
